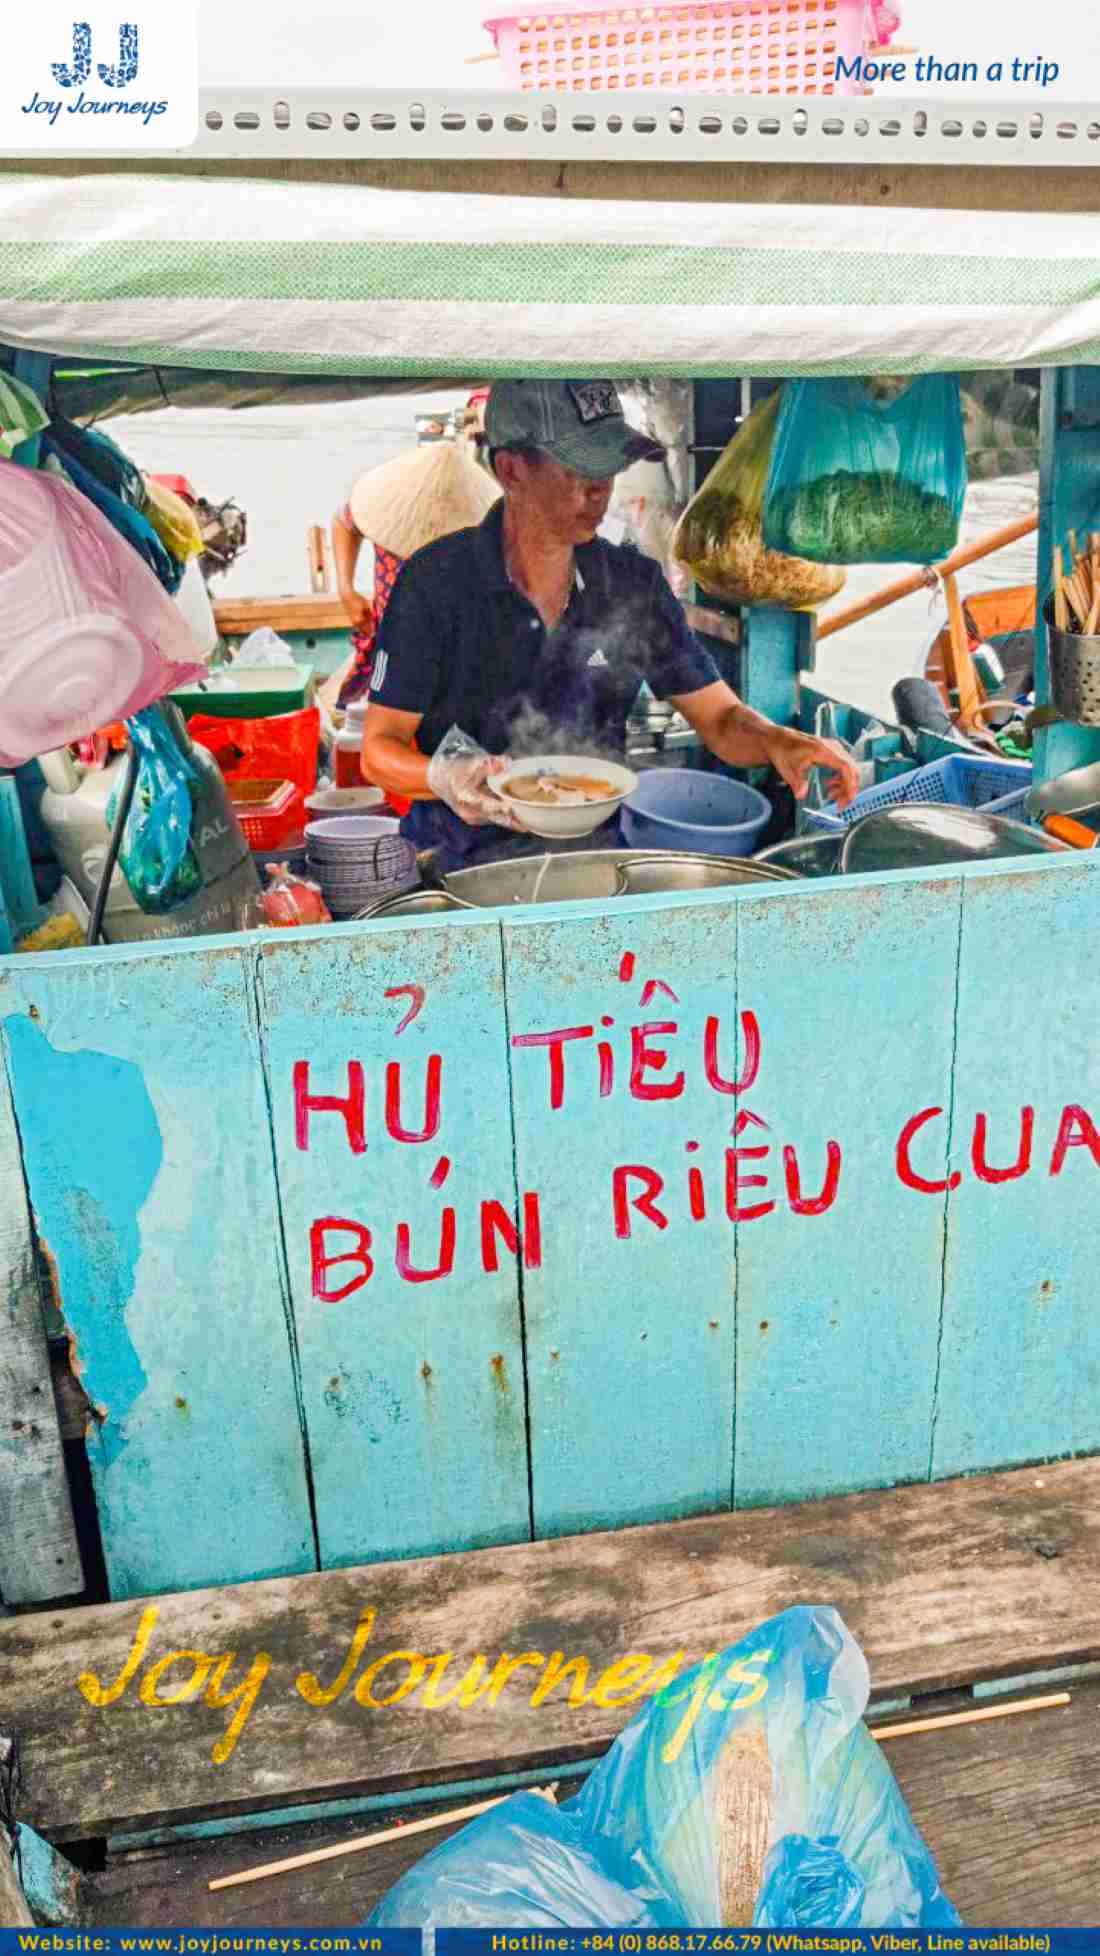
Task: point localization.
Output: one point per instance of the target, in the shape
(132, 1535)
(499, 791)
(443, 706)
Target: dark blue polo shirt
(459, 644)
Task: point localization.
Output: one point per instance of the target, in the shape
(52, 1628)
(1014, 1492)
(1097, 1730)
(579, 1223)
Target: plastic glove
(457, 775)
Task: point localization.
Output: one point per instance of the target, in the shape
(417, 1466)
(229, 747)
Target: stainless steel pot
(806, 855)
(571, 877)
(415, 903)
(919, 834)
(683, 871)
(598, 874)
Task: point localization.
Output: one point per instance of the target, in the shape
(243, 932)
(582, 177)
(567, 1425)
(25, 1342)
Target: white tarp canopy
(221, 273)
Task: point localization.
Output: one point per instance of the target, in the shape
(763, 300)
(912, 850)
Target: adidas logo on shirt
(597, 659)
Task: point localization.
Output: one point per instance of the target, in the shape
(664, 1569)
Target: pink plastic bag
(87, 634)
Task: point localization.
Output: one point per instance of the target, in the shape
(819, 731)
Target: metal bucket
(1074, 663)
(415, 903)
(806, 855)
(567, 878)
(681, 871)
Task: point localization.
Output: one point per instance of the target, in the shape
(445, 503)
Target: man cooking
(530, 629)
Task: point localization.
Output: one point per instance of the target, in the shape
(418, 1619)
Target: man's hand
(461, 783)
(793, 755)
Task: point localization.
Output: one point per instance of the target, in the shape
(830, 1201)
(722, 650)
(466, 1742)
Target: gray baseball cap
(579, 422)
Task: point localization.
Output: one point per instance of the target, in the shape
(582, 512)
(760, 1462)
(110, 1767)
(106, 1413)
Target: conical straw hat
(427, 493)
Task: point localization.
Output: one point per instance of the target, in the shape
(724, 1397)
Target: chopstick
(1076, 591)
(364, 1841)
(975, 1717)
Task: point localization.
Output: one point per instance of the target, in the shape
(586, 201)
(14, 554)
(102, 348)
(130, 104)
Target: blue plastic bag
(156, 855)
(126, 519)
(768, 1733)
(859, 480)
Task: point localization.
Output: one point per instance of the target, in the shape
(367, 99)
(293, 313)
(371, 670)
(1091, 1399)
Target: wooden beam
(317, 553)
(904, 587)
(941, 1585)
(309, 612)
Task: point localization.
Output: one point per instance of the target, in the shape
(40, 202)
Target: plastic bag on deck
(860, 479)
(718, 537)
(748, 1792)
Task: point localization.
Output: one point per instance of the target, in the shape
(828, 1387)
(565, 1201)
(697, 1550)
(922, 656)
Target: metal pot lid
(924, 834)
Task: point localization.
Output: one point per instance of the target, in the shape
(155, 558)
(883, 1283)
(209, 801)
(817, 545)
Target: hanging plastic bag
(101, 458)
(284, 747)
(176, 525)
(718, 538)
(748, 1792)
(87, 635)
(22, 415)
(156, 856)
(856, 479)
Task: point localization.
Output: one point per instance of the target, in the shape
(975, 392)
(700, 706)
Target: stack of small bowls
(358, 860)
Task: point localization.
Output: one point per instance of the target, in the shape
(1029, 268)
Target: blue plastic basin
(684, 808)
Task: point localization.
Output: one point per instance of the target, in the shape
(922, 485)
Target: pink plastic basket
(714, 47)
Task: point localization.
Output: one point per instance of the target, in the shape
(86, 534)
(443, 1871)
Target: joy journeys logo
(109, 80)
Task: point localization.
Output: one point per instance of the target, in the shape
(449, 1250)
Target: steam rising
(627, 649)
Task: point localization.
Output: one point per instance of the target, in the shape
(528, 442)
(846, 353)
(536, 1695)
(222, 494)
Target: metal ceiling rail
(347, 125)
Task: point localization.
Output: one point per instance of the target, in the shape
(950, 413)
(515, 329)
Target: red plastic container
(268, 811)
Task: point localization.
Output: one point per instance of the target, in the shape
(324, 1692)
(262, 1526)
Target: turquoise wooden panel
(629, 1338)
(412, 1385)
(838, 1313)
(775, 645)
(140, 1101)
(1020, 1364)
(39, 1557)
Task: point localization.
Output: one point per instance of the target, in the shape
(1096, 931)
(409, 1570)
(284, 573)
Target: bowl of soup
(563, 794)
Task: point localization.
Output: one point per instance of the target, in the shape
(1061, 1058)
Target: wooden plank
(968, 1580)
(157, 1886)
(1010, 1813)
(647, 1315)
(39, 1556)
(838, 1313)
(412, 1383)
(14, 1913)
(317, 555)
(1020, 1302)
(139, 1095)
(310, 612)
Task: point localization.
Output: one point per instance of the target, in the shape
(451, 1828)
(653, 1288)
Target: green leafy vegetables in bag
(866, 518)
(719, 537)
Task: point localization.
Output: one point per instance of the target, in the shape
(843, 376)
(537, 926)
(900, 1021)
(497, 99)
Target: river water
(290, 467)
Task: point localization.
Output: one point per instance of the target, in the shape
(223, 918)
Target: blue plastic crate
(961, 780)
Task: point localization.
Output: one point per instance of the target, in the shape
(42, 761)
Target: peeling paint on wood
(139, 1096)
(39, 1557)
